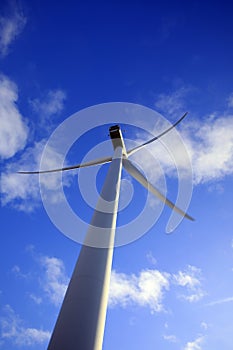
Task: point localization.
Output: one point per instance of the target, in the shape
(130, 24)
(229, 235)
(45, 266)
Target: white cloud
(13, 329)
(195, 345)
(150, 257)
(55, 280)
(10, 28)
(209, 143)
(22, 191)
(187, 278)
(170, 338)
(209, 140)
(221, 301)
(52, 103)
(18, 273)
(173, 103)
(50, 275)
(204, 325)
(230, 101)
(146, 289)
(13, 128)
(190, 279)
(36, 299)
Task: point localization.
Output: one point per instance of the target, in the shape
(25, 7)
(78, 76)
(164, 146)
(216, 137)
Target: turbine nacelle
(117, 138)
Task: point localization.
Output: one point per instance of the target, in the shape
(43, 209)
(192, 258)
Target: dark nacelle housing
(115, 132)
(117, 138)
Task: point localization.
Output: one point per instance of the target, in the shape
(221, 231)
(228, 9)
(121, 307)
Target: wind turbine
(81, 321)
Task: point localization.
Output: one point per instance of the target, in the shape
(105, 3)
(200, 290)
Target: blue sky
(56, 58)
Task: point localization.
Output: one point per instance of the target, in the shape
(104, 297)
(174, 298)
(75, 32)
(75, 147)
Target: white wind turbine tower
(81, 321)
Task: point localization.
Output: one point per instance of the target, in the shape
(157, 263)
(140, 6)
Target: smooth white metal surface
(134, 172)
(81, 321)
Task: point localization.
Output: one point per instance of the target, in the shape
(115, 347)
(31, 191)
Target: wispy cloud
(36, 299)
(230, 101)
(13, 127)
(171, 338)
(173, 103)
(52, 103)
(50, 276)
(150, 257)
(195, 345)
(11, 26)
(13, 329)
(220, 301)
(209, 142)
(21, 191)
(18, 273)
(204, 325)
(190, 279)
(54, 281)
(146, 289)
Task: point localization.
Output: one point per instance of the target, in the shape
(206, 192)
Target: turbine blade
(134, 172)
(130, 152)
(82, 165)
